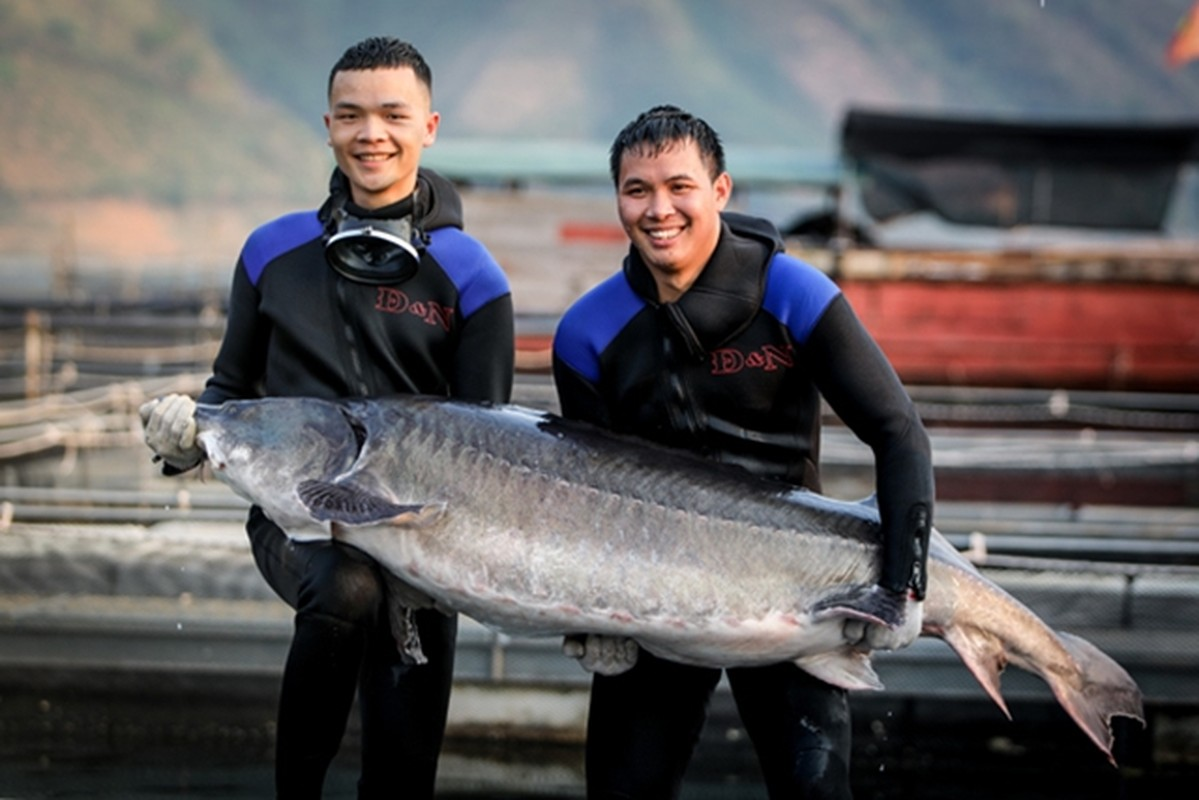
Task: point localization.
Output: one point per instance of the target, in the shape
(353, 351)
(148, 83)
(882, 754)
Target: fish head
(265, 449)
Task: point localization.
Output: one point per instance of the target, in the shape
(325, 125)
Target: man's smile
(664, 234)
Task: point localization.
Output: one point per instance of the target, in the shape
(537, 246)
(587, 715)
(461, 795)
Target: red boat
(1070, 319)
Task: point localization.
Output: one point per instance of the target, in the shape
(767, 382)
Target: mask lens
(371, 255)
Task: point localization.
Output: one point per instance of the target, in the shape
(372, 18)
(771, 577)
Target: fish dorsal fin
(848, 668)
(349, 505)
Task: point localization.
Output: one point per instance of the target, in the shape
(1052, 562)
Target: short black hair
(383, 52)
(661, 127)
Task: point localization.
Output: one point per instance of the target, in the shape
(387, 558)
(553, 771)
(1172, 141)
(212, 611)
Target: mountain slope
(177, 101)
(764, 72)
(131, 98)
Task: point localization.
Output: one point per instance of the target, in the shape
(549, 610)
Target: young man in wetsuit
(713, 339)
(378, 292)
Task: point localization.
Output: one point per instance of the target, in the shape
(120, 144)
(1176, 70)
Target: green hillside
(764, 71)
(178, 101)
(131, 98)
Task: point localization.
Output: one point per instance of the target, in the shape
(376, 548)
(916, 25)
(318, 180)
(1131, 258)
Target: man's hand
(881, 637)
(170, 430)
(607, 655)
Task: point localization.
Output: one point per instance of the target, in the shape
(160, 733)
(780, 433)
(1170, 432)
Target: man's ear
(724, 189)
(431, 125)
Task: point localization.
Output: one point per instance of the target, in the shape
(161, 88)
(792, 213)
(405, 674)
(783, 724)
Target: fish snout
(210, 443)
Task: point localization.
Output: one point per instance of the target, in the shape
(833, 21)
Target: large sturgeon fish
(534, 525)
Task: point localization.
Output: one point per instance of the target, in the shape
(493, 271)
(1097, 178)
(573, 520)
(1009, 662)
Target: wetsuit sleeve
(579, 340)
(578, 397)
(863, 389)
(583, 337)
(240, 363)
(483, 369)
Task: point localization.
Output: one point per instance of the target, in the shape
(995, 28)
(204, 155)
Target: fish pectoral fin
(848, 668)
(347, 504)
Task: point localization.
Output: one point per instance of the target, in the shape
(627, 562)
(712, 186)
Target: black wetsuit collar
(728, 293)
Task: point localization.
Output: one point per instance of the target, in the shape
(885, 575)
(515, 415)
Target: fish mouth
(206, 438)
(211, 446)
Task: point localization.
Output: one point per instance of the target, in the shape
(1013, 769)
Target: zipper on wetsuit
(679, 407)
(357, 375)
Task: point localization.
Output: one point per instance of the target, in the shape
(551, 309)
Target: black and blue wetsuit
(735, 369)
(296, 327)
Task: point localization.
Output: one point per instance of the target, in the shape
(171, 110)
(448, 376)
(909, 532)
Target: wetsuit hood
(435, 204)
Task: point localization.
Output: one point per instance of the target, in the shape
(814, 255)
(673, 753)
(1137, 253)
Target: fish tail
(1087, 683)
(1099, 690)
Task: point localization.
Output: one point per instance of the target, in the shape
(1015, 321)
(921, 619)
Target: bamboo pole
(35, 348)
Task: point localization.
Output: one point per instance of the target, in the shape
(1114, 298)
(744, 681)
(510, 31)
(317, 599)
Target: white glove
(170, 429)
(872, 636)
(607, 655)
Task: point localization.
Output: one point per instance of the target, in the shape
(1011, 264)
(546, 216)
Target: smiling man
(376, 293)
(713, 339)
(379, 122)
(669, 202)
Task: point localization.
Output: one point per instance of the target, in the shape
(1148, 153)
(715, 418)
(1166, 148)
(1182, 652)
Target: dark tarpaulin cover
(1003, 174)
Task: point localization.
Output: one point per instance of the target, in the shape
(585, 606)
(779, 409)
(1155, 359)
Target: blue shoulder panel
(273, 239)
(797, 294)
(592, 322)
(471, 268)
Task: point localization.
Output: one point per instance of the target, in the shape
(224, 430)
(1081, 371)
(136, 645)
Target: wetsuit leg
(342, 634)
(403, 708)
(800, 727)
(643, 726)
